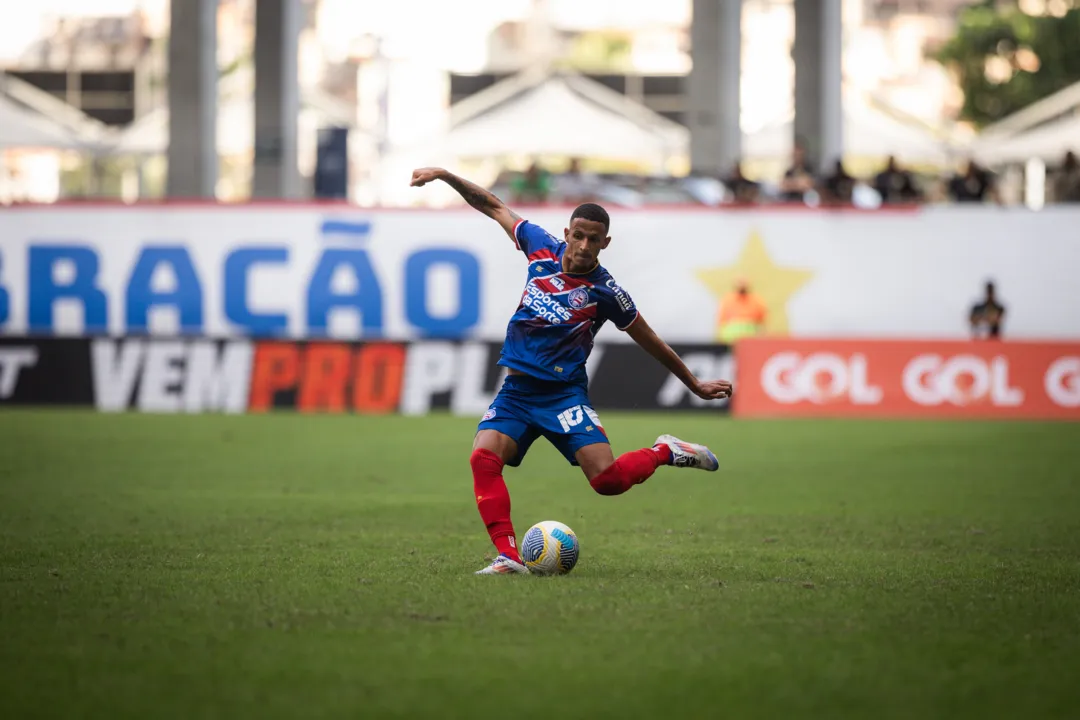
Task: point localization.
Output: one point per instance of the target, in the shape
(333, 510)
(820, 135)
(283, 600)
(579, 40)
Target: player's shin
(493, 501)
(629, 469)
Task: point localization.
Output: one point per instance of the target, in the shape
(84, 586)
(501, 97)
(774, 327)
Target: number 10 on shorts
(572, 417)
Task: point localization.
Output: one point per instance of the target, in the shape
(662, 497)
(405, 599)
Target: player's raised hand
(713, 389)
(423, 176)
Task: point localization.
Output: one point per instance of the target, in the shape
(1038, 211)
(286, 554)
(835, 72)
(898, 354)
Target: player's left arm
(647, 338)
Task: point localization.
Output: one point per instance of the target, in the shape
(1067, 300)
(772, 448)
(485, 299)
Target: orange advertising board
(328, 376)
(896, 378)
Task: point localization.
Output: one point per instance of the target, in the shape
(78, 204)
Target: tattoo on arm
(475, 195)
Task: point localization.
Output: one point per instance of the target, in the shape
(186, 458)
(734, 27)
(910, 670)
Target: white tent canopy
(1064, 102)
(1048, 142)
(149, 135)
(572, 116)
(21, 128)
(555, 117)
(868, 132)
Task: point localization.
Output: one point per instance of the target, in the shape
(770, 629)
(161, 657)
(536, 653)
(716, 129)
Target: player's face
(584, 241)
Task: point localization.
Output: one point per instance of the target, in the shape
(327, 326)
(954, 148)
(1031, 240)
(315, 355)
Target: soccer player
(568, 297)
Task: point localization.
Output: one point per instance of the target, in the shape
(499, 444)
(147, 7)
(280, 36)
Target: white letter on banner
(429, 369)
(114, 377)
(162, 377)
(704, 366)
(915, 379)
(861, 391)
(779, 388)
(1062, 382)
(1000, 392)
(218, 383)
(12, 360)
(469, 398)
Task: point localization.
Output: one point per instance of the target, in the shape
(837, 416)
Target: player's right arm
(476, 196)
(647, 338)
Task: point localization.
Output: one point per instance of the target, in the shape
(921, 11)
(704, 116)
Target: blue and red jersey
(551, 335)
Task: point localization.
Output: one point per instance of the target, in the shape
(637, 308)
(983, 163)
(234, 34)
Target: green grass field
(286, 566)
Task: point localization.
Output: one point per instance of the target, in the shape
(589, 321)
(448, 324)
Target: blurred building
(402, 82)
(897, 102)
(90, 63)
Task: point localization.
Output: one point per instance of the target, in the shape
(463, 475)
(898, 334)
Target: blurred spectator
(533, 187)
(834, 186)
(986, 316)
(799, 178)
(974, 185)
(839, 186)
(705, 189)
(742, 314)
(576, 186)
(742, 189)
(1067, 180)
(896, 185)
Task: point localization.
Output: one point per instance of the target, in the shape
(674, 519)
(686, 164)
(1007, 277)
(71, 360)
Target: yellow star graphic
(774, 284)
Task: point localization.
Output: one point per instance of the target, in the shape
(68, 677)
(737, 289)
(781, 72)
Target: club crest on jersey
(578, 298)
(488, 415)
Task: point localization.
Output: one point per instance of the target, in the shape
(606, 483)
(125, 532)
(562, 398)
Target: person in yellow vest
(742, 313)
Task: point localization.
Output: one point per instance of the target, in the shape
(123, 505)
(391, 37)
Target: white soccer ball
(550, 548)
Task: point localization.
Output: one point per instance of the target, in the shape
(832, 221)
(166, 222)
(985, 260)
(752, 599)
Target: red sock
(630, 469)
(493, 501)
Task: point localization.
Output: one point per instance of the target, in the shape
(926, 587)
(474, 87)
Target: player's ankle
(664, 453)
(506, 545)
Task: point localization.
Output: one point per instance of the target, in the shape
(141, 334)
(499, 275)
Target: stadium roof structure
(871, 131)
(540, 112)
(570, 115)
(1048, 142)
(149, 134)
(1044, 130)
(32, 119)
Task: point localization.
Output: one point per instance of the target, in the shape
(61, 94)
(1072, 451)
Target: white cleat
(503, 565)
(689, 455)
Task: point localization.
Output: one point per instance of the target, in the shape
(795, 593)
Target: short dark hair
(592, 211)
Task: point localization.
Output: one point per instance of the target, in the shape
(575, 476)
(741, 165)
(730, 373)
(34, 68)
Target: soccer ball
(550, 548)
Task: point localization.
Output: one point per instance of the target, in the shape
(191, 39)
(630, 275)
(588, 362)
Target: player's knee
(608, 482)
(499, 445)
(484, 460)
